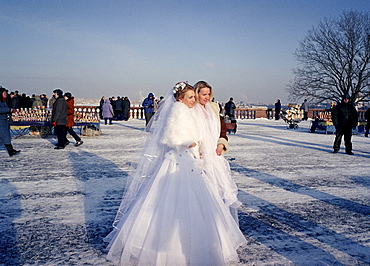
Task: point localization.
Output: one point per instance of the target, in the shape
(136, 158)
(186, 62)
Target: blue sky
(243, 48)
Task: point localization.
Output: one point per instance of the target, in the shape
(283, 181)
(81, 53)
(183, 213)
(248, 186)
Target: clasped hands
(219, 149)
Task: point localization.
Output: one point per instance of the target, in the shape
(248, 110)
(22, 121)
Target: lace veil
(149, 160)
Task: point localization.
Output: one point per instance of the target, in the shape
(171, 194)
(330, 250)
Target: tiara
(179, 86)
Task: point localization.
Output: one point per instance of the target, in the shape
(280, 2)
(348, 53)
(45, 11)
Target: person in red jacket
(71, 118)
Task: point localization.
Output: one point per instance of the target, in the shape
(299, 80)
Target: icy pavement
(302, 205)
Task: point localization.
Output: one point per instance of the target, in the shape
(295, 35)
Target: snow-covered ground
(302, 204)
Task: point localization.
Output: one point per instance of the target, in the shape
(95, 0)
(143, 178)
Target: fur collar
(182, 127)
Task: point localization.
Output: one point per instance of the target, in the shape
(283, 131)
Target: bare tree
(334, 60)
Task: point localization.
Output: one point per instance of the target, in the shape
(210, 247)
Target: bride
(170, 214)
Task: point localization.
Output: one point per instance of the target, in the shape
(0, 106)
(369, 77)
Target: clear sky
(243, 48)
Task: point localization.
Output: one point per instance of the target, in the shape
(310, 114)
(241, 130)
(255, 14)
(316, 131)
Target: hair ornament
(179, 86)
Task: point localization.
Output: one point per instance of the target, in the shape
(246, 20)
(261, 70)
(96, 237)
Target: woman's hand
(220, 148)
(196, 153)
(193, 145)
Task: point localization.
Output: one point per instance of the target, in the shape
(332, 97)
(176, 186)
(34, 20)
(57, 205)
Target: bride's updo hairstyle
(200, 85)
(180, 89)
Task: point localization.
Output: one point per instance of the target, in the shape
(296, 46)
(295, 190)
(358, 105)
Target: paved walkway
(302, 205)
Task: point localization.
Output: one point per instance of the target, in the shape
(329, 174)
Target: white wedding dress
(216, 168)
(174, 215)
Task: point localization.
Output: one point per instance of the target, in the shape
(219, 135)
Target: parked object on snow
(230, 124)
(292, 116)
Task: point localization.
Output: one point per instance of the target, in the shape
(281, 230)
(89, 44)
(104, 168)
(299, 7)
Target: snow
(302, 204)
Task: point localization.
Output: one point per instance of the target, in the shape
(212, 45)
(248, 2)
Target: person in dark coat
(229, 108)
(113, 103)
(367, 117)
(148, 105)
(277, 109)
(71, 118)
(305, 108)
(5, 114)
(101, 102)
(59, 119)
(44, 100)
(14, 101)
(31, 101)
(23, 100)
(126, 108)
(118, 108)
(345, 118)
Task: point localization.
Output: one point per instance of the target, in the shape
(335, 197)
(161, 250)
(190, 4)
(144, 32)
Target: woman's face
(204, 95)
(4, 94)
(189, 99)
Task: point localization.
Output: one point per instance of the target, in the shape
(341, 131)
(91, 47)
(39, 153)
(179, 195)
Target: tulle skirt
(177, 219)
(217, 171)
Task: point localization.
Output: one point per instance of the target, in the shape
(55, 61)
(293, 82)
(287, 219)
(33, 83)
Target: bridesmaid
(216, 167)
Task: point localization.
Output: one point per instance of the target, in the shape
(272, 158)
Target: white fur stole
(181, 129)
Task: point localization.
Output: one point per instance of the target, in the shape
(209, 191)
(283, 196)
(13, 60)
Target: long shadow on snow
(295, 188)
(102, 197)
(294, 249)
(362, 180)
(10, 210)
(287, 142)
(298, 251)
(136, 128)
(295, 143)
(298, 223)
(279, 127)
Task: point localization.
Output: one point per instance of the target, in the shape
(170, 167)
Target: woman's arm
(222, 143)
(4, 109)
(223, 130)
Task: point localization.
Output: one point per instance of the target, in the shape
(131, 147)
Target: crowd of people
(17, 101)
(62, 118)
(119, 108)
(114, 108)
